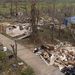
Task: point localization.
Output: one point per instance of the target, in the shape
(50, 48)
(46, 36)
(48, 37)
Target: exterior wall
(2, 29)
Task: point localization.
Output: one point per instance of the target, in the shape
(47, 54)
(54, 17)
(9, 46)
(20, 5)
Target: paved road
(30, 58)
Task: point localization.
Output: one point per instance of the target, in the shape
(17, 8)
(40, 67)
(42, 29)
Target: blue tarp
(72, 19)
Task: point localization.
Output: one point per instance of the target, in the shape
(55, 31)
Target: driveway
(30, 58)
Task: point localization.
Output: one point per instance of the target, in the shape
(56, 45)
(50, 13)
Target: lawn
(23, 5)
(6, 65)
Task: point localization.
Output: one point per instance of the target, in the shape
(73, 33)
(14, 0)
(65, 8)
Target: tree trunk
(16, 7)
(11, 8)
(34, 23)
(53, 16)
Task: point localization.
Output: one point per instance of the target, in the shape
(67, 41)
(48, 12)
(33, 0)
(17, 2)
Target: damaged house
(14, 30)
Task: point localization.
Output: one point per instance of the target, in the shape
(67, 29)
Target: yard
(7, 65)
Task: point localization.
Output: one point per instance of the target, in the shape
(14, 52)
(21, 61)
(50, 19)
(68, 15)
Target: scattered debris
(20, 63)
(4, 49)
(69, 71)
(61, 55)
(44, 52)
(11, 56)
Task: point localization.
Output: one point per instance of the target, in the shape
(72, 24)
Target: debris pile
(61, 55)
(64, 55)
(64, 58)
(45, 52)
(68, 71)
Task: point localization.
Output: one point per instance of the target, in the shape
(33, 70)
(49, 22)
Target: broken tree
(34, 14)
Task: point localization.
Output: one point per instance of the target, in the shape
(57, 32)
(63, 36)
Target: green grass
(40, 5)
(4, 10)
(5, 64)
(44, 33)
(29, 71)
(2, 55)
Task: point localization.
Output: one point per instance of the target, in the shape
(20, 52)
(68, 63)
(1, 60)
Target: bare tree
(4, 3)
(53, 17)
(26, 7)
(14, 48)
(16, 7)
(34, 22)
(12, 4)
(11, 8)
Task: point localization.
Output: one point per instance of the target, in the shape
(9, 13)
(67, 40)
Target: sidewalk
(30, 58)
